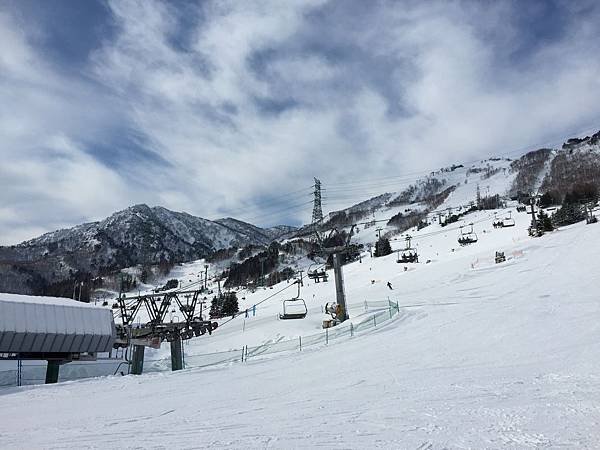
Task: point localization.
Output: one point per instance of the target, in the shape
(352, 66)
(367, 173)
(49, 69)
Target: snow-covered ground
(489, 356)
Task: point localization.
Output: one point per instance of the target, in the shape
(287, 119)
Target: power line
(280, 211)
(273, 201)
(262, 301)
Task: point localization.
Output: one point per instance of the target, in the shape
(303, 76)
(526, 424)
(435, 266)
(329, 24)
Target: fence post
(300, 341)
(351, 329)
(391, 312)
(242, 354)
(366, 306)
(326, 335)
(19, 372)
(246, 358)
(375, 320)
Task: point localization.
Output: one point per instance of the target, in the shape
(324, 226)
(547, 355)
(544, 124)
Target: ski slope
(490, 356)
(364, 281)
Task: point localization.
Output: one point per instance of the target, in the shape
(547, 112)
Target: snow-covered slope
(486, 356)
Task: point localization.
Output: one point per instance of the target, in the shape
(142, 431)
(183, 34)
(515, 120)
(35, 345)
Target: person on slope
(390, 286)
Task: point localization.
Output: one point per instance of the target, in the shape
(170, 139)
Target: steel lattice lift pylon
(157, 329)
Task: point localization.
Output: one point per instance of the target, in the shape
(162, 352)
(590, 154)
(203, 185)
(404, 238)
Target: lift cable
(262, 301)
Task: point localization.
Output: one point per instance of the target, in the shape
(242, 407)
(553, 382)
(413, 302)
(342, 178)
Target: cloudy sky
(231, 108)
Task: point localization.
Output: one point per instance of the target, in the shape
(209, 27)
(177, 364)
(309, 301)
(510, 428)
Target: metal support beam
(176, 355)
(137, 360)
(340, 294)
(52, 372)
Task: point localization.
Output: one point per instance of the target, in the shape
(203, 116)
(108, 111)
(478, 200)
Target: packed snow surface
(485, 356)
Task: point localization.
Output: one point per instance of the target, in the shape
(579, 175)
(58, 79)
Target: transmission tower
(317, 215)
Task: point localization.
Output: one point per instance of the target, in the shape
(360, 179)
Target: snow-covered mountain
(137, 235)
(558, 170)
(450, 188)
(145, 235)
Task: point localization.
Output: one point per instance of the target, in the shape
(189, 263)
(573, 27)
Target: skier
(390, 286)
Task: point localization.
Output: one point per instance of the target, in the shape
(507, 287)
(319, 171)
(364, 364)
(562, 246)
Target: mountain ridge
(144, 235)
(137, 235)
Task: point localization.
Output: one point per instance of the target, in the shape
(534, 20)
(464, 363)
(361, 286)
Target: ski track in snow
(483, 355)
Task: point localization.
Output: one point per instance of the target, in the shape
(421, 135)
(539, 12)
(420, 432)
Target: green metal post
(176, 355)
(137, 360)
(52, 372)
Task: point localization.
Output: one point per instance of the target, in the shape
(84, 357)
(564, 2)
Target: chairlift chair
(497, 223)
(508, 221)
(294, 308)
(500, 257)
(467, 238)
(316, 274)
(409, 254)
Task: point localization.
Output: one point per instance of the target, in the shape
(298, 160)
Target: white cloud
(257, 97)
(46, 179)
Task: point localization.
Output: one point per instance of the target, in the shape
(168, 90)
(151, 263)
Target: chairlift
(497, 223)
(508, 221)
(467, 238)
(409, 254)
(500, 257)
(294, 308)
(317, 274)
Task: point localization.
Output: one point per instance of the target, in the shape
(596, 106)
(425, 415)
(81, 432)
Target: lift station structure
(57, 330)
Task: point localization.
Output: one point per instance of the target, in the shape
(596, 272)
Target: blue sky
(221, 108)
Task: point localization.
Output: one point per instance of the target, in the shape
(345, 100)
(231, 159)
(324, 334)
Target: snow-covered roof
(30, 324)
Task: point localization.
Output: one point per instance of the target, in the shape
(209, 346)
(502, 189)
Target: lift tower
(337, 252)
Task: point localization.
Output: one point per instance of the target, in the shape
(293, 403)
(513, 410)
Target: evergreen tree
(568, 214)
(382, 247)
(230, 304)
(544, 223)
(144, 274)
(216, 308)
(548, 199)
